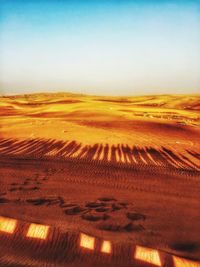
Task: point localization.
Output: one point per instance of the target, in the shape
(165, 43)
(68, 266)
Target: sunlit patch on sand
(147, 255)
(179, 262)
(106, 247)
(37, 231)
(87, 241)
(7, 225)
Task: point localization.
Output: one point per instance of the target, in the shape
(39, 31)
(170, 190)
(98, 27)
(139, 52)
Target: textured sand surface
(122, 169)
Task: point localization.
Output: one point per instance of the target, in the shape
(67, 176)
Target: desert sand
(121, 169)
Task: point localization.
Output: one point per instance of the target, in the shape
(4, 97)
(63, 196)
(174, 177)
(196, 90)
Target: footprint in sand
(130, 227)
(92, 216)
(133, 216)
(107, 199)
(114, 215)
(102, 209)
(94, 204)
(44, 201)
(76, 210)
(38, 201)
(116, 227)
(116, 206)
(27, 185)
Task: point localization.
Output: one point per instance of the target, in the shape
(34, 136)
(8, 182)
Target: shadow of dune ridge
(121, 154)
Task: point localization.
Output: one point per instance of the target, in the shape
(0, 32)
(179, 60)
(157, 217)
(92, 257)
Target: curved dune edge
(32, 244)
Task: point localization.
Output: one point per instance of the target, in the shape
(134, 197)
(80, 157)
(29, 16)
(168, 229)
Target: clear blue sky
(100, 47)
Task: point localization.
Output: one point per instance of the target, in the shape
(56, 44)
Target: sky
(113, 47)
